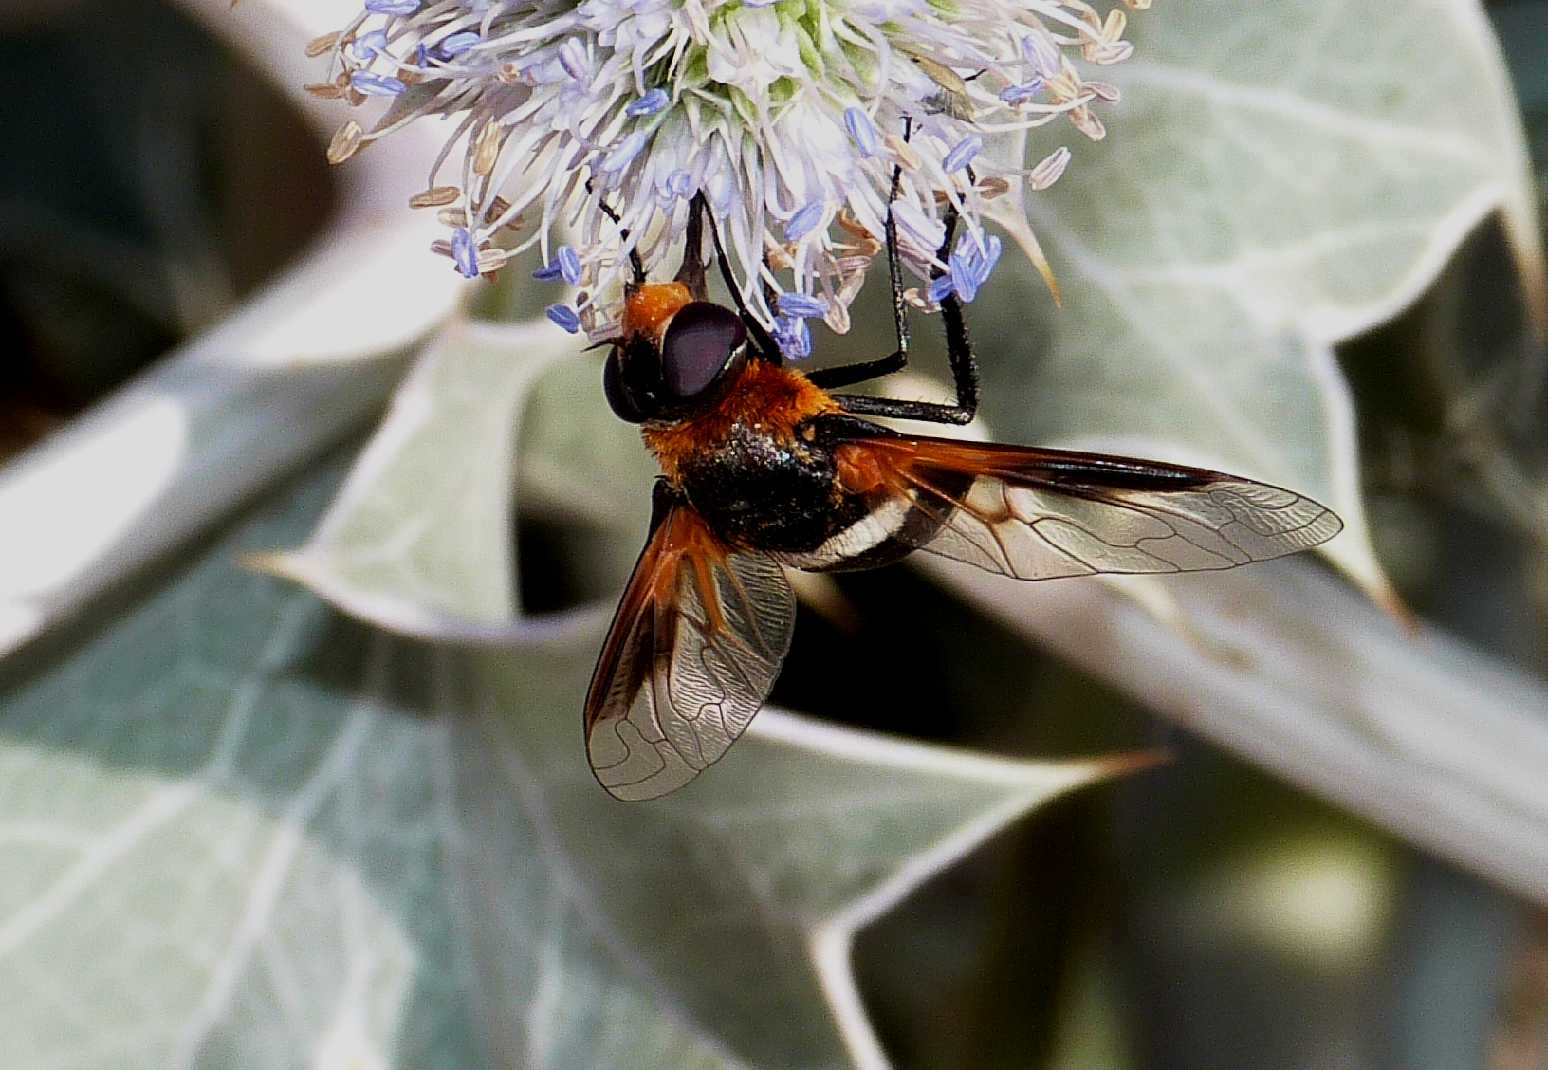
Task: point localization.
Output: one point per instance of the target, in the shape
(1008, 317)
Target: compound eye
(700, 342)
(631, 382)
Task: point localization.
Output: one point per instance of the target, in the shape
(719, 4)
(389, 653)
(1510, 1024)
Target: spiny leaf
(1277, 178)
(240, 830)
(420, 541)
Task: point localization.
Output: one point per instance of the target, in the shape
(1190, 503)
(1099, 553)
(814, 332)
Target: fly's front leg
(636, 266)
(691, 272)
(768, 348)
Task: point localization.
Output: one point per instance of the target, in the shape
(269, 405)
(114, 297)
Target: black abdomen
(758, 492)
(783, 497)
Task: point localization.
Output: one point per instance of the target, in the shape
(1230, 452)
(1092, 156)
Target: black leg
(768, 348)
(850, 374)
(959, 355)
(634, 256)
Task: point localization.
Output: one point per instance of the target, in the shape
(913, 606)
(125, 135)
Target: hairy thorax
(754, 465)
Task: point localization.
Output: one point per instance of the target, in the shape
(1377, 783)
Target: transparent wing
(694, 649)
(1041, 514)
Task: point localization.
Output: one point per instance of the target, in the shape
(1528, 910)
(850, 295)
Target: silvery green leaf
(1276, 178)
(309, 358)
(421, 539)
(240, 830)
(1416, 731)
(578, 458)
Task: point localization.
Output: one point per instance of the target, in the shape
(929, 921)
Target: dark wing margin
(693, 651)
(1038, 514)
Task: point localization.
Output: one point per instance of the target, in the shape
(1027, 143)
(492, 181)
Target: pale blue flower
(564, 316)
(789, 118)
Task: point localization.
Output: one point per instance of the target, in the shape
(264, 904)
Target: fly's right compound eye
(631, 382)
(623, 397)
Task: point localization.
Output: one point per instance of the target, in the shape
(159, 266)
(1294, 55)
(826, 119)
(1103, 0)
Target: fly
(764, 467)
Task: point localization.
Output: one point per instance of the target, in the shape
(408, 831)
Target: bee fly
(763, 467)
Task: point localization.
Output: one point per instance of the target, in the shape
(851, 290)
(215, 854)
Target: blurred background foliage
(1201, 915)
(130, 209)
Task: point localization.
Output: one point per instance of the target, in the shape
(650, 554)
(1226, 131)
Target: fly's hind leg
(850, 374)
(959, 355)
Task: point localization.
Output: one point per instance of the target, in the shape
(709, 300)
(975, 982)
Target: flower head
(791, 116)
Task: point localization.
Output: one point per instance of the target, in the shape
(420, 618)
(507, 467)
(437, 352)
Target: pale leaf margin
(316, 353)
(490, 366)
(1417, 732)
(1500, 140)
(1028, 784)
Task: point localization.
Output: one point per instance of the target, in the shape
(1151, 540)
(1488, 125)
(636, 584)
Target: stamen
(962, 154)
(318, 46)
(486, 148)
(801, 305)
(793, 336)
(457, 44)
(1041, 52)
(491, 260)
(970, 265)
(852, 226)
(992, 187)
(961, 276)
(464, 255)
(435, 197)
(1020, 94)
(345, 143)
(860, 127)
(370, 45)
(1048, 169)
(651, 103)
(908, 159)
(376, 85)
(564, 316)
(569, 265)
(678, 185)
(804, 222)
(626, 151)
(572, 57)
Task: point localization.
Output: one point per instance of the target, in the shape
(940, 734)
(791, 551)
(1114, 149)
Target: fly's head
(671, 367)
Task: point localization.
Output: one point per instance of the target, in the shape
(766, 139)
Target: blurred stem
(1520, 1040)
(1421, 734)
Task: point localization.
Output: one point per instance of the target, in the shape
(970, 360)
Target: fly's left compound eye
(702, 341)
